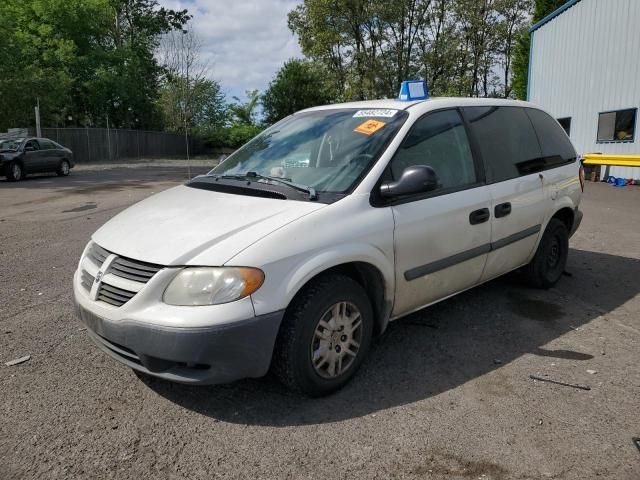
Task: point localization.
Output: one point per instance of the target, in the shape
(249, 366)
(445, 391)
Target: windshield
(11, 144)
(327, 150)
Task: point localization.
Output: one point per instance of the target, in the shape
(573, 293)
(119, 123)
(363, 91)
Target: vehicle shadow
(436, 349)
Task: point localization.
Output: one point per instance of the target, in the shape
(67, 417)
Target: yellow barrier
(614, 160)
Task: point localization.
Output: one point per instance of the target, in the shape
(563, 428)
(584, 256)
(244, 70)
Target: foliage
(207, 109)
(298, 85)
(234, 135)
(84, 59)
(462, 47)
(244, 113)
(542, 8)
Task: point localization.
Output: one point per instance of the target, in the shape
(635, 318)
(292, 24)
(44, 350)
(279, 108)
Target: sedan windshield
(326, 150)
(11, 144)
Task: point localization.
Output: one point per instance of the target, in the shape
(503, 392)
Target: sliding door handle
(479, 216)
(502, 210)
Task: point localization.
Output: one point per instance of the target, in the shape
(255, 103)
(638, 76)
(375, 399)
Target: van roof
(429, 104)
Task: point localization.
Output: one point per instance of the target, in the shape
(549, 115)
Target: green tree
(244, 113)
(298, 85)
(542, 8)
(367, 47)
(84, 60)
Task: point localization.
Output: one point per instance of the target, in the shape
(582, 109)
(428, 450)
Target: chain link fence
(99, 145)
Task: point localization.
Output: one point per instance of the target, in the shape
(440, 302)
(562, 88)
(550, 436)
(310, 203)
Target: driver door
(442, 238)
(33, 160)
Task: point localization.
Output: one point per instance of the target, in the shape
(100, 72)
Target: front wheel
(324, 337)
(14, 172)
(63, 168)
(550, 259)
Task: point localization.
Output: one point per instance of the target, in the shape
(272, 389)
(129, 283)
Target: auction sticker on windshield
(375, 112)
(369, 127)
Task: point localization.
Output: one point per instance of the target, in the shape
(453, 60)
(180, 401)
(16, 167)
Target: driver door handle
(479, 216)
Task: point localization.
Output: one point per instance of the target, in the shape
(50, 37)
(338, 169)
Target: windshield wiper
(256, 176)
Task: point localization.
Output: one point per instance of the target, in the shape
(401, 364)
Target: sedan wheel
(14, 172)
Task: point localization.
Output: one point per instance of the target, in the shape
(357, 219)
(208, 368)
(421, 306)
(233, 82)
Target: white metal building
(584, 69)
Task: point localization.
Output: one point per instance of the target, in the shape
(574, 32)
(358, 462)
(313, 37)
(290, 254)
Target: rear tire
(64, 168)
(324, 336)
(15, 172)
(550, 259)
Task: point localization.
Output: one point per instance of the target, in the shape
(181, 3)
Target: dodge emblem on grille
(99, 276)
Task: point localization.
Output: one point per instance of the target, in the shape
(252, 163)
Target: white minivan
(299, 248)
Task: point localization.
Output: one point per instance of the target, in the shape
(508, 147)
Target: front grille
(86, 280)
(114, 295)
(123, 267)
(134, 269)
(97, 254)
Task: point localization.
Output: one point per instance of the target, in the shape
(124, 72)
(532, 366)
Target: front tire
(15, 173)
(324, 337)
(550, 259)
(64, 168)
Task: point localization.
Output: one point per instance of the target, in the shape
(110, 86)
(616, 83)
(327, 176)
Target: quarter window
(440, 141)
(618, 126)
(507, 141)
(566, 124)
(556, 146)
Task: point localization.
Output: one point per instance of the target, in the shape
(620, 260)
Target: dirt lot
(445, 393)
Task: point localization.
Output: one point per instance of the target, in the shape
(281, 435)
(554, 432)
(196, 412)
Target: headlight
(212, 285)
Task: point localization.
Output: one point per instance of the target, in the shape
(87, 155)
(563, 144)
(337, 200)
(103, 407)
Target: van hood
(189, 226)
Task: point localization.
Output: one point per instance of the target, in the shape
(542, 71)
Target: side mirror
(414, 179)
(29, 148)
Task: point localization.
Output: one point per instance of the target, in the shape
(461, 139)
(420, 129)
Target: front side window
(328, 150)
(507, 141)
(32, 145)
(618, 126)
(440, 141)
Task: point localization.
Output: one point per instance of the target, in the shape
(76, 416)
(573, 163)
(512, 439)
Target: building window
(618, 126)
(566, 124)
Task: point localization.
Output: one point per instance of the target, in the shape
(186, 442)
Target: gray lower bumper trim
(209, 355)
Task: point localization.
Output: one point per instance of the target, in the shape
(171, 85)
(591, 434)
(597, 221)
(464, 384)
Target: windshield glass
(327, 150)
(11, 144)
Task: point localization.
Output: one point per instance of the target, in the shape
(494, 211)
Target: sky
(245, 42)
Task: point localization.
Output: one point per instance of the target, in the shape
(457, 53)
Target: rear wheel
(15, 172)
(324, 337)
(63, 168)
(550, 259)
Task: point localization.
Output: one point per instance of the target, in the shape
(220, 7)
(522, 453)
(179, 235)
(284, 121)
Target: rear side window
(556, 146)
(507, 141)
(46, 144)
(438, 140)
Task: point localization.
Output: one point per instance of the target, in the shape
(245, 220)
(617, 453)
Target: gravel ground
(445, 392)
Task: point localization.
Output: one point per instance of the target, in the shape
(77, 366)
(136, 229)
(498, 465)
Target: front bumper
(203, 355)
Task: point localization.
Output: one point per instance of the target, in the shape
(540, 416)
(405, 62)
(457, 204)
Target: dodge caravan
(301, 247)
